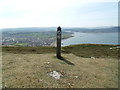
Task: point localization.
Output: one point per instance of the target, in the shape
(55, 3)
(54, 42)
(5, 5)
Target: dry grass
(31, 71)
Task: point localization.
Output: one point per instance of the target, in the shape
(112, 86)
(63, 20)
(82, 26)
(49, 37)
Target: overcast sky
(52, 13)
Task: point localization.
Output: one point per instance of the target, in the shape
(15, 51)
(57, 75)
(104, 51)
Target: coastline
(54, 43)
(83, 37)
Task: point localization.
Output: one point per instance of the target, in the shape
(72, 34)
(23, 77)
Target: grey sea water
(91, 38)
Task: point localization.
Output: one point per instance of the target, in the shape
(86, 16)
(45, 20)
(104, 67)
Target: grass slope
(29, 67)
(83, 50)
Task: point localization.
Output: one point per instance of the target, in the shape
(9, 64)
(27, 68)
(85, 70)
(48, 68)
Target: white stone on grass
(111, 48)
(46, 62)
(92, 57)
(76, 76)
(55, 74)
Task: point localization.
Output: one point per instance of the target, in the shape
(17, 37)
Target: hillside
(75, 29)
(81, 66)
(95, 30)
(82, 50)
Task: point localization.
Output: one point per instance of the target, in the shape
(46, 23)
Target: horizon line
(60, 26)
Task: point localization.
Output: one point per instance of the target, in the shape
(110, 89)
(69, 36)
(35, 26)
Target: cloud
(26, 13)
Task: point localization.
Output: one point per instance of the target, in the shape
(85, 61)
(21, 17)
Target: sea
(92, 38)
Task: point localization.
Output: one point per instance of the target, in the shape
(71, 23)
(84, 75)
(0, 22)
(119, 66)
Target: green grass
(28, 50)
(21, 44)
(66, 35)
(83, 50)
(92, 50)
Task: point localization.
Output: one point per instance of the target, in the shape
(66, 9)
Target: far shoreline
(54, 43)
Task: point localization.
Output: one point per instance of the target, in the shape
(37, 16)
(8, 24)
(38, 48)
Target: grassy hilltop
(83, 50)
(82, 66)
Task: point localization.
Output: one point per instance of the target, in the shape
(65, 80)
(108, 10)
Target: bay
(91, 38)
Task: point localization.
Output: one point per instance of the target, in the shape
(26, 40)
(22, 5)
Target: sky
(53, 13)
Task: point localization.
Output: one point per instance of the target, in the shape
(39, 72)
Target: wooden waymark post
(59, 42)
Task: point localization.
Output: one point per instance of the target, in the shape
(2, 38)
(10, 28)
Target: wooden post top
(59, 28)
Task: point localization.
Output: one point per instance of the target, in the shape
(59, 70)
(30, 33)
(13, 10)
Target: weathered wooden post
(58, 42)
